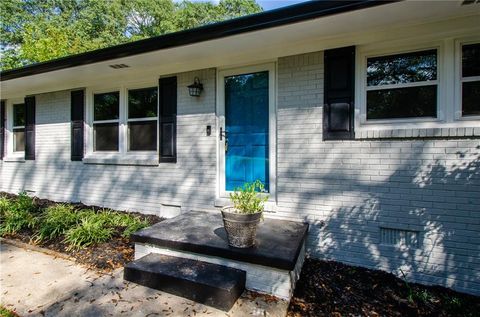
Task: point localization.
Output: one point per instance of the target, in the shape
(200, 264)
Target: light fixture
(196, 88)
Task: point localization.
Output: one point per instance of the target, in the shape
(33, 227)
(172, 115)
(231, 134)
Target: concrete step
(210, 284)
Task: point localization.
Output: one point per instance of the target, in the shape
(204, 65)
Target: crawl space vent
(399, 237)
(118, 66)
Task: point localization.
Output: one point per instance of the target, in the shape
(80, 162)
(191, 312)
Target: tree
(39, 30)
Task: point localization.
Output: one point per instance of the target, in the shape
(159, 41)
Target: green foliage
(56, 220)
(17, 220)
(17, 214)
(135, 224)
(91, 230)
(38, 30)
(4, 312)
(250, 198)
(5, 205)
(80, 228)
(130, 223)
(25, 202)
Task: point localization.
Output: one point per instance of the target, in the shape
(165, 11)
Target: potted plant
(241, 219)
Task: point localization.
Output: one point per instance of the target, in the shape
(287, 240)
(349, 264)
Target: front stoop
(272, 266)
(210, 284)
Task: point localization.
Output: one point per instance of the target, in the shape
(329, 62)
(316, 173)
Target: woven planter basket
(241, 228)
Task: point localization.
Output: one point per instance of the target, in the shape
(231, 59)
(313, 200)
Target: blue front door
(246, 126)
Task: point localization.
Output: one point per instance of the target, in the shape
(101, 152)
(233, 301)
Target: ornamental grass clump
(76, 227)
(56, 220)
(91, 230)
(250, 198)
(17, 214)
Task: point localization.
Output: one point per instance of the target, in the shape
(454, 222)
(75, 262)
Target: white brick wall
(187, 184)
(347, 190)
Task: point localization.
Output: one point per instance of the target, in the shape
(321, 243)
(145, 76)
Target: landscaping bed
(328, 288)
(96, 237)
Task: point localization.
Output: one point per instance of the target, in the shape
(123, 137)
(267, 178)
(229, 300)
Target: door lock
(223, 134)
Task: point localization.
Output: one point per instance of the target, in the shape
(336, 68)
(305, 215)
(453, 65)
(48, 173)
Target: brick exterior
(347, 190)
(151, 189)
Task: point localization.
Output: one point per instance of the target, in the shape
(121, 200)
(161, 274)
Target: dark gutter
(287, 15)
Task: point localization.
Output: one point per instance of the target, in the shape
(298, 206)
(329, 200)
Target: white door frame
(272, 135)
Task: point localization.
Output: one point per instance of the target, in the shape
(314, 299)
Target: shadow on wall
(136, 188)
(422, 219)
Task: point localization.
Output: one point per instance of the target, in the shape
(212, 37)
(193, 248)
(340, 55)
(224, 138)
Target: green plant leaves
(250, 198)
(79, 227)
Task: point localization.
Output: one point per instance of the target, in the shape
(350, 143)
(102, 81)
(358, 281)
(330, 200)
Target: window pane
(19, 115)
(402, 68)
(105, 136)
(105, 106)
(18, 140)
(471, 60)
(142, 103)
(471, 98)
(142, 136)
(402, 102)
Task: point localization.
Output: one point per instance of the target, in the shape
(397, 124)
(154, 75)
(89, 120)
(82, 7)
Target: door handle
(223, 134)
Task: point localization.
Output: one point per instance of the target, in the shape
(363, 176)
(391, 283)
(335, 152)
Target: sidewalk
(36, 284)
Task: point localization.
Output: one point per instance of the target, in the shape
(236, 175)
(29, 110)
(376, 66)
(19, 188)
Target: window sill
(18, 159)
(134, 161)
(415, 133)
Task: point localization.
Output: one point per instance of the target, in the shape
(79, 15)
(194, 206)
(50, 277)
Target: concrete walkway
(37, 284)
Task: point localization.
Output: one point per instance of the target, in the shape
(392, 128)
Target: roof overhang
(365, 24)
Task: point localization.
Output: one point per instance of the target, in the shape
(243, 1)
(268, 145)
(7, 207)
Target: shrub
(57, 220)
(90, 231)
(25, 202)
(134, 224)
(111, 219)
(247, 200)
(17, 214)
(16, 220)
(5, 205)
(80, 227)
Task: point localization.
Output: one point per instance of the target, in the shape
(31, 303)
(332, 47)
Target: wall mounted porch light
(196, 88)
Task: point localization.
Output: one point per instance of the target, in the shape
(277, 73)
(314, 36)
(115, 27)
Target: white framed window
(15, 129)
(401, 86)
(106, 119)
(18, 127)
(142, 119)
(122, 121)
(468, 88)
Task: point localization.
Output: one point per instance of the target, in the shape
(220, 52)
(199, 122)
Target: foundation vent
(118, 66)
(400, 237)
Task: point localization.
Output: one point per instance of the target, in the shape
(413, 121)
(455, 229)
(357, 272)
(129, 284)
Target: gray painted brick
(422, 182)
(351, 187)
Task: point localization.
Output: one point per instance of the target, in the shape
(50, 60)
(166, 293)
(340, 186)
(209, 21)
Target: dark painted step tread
(215, 275)
(211, 284)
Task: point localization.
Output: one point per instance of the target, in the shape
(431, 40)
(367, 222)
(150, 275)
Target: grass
(4, 312)
(78, 227)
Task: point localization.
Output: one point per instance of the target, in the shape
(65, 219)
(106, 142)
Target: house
(361, 117)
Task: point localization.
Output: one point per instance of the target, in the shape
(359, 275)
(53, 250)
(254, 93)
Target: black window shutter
(167, 119)
(339, 86)
(2, 129)
(30, 128)
(77, 102)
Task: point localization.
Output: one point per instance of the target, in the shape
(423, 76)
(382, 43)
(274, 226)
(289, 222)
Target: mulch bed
(328, 288)
(103, 257)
